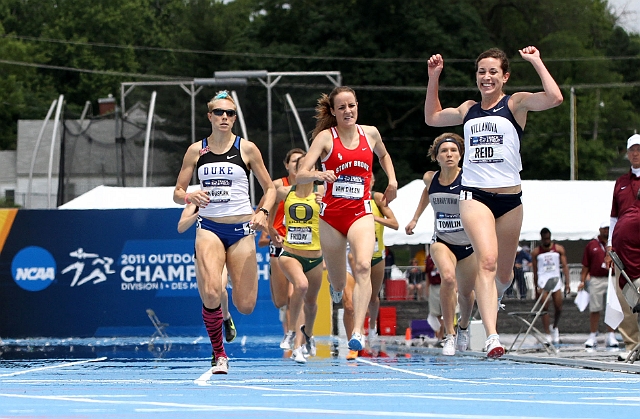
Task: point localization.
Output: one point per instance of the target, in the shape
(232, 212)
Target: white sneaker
(462, 339)
(310, 343)
(288, 340)
(493, 347)
(449, 346)
(221, 367)
(356, 343)
(555, 335)
(592, 342)
(500, 305)
(547, 339)
(297, 355)
(611, 340)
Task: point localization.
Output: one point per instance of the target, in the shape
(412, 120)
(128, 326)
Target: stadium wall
(93, 273)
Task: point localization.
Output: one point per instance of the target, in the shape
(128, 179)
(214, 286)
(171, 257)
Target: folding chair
(528, 319)
(631, 293)
(159, 333)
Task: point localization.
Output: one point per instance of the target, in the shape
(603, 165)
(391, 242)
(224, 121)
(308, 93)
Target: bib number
(348, 187)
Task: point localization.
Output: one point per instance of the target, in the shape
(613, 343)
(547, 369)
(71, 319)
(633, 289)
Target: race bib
(348, 187)
(219, 190)
(448, 223)
(486, 149)
(299, 235)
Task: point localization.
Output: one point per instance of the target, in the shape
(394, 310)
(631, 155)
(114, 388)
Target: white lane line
(286, 392)
(492, 383)
(154, 406)
(68, 364)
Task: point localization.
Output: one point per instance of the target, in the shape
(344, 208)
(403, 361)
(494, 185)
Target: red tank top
(353, 169)
(278, 220)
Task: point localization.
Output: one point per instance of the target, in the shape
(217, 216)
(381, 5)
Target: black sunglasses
(218, 112)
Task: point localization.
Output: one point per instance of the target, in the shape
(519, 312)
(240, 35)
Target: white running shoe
(449, 345)
(288, 340)
(221, 367)
(310, 343)
(336, 296)
(297, 355)
(611, 340)
(356, 343)
(555, 335)
(592, 341)
(493, 347)
(500, 305)
(462, 339)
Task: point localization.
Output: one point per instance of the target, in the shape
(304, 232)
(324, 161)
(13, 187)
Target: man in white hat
(594, 278)
(625, 199)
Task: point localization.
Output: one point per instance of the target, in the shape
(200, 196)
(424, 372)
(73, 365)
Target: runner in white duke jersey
(490, 204)
(451, 248)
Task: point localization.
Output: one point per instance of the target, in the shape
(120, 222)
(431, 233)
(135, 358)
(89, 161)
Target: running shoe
(493, 347)
(500, 305)
(555, 335)
(288, 340)
(592, 341)
(611, 340)
(356, 343)
(221, 365)
(336, 296)
(229, 330)
(298, 356)
(310, 344)
(449, 347)
(352, 355)
(462, 339)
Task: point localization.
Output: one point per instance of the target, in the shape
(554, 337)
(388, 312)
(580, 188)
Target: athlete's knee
(362, 269)
(245, 306)
(488, 263)
(448, 280)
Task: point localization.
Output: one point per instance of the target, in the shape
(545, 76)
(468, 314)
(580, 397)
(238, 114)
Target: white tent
(571, 210)
(112, 197)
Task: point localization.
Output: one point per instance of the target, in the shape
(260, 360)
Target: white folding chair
(159, 326)
(528, 319)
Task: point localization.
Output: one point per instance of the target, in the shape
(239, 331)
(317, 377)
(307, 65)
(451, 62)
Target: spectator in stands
(623, 239)
(415, 280)
(594, 278)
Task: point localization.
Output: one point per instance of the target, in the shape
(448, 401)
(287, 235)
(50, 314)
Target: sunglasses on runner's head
(218, 112)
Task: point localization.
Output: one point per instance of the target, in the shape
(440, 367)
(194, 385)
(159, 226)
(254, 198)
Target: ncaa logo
(33, 268)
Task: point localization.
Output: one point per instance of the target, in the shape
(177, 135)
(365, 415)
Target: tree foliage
(371, 42)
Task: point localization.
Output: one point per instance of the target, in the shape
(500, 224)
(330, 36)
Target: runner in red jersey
(348, 197)
(346, 151)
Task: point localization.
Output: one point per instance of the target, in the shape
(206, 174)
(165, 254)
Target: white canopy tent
(113, 197)
(571, 210)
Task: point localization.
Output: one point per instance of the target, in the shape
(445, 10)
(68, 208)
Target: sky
(630, 20)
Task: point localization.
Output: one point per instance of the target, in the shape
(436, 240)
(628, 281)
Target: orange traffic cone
(407, 336)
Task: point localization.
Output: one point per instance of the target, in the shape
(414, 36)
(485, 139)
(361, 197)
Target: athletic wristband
(266, 212)
(186, 199)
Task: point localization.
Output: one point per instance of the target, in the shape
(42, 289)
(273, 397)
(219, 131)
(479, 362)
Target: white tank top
(492, 147)
(225, 178)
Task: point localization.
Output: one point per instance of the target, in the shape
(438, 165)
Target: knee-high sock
(213, 322)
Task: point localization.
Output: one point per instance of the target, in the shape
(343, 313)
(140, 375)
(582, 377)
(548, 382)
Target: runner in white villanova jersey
(451, 249)
(490, 200)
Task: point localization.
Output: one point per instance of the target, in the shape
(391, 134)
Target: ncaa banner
(90, 273)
